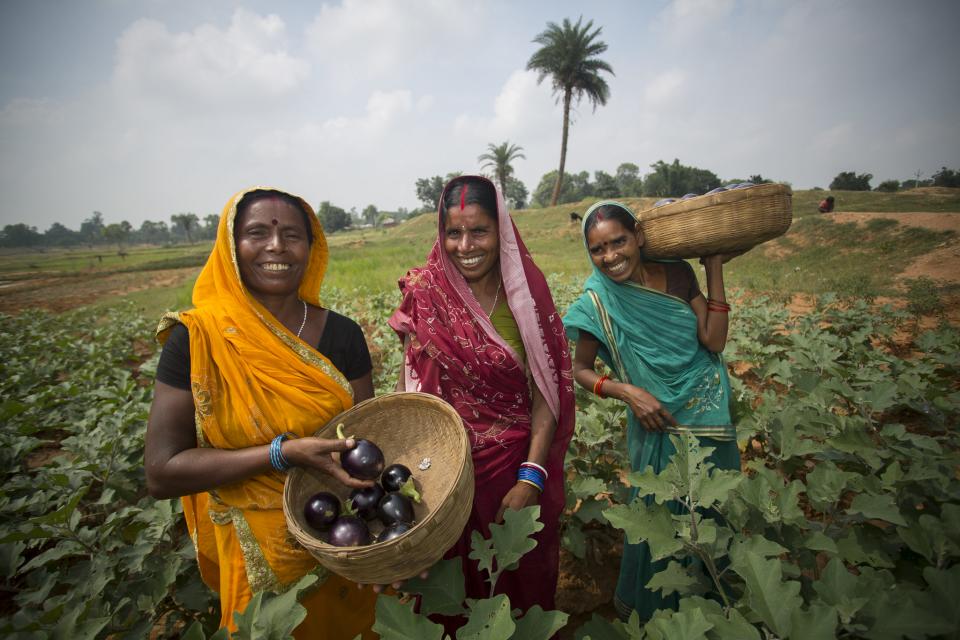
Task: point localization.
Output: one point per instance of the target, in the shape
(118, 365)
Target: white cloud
(341, 134)
(21, 112)
(666, 88)
(380, 37)
(521, 108)
(687, 19)
(246, 63)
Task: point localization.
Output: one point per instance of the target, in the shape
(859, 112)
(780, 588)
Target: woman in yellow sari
(258, 366)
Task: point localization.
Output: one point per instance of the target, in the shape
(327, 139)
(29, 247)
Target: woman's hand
(719, 259)
(652, 415)
(520, 495)
(316, 453)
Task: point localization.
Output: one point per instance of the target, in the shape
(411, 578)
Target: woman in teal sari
(661, 338)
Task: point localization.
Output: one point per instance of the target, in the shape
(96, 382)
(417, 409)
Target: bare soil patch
(63, 293)
(941, 264)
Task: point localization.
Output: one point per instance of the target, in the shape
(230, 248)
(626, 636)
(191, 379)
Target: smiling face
(472, 241)
(272, 247)
(615, 250)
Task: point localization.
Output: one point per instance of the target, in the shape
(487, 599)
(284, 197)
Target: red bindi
(275, 222)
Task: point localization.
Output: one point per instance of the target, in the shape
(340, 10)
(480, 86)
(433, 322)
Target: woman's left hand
(719, 259)
(520, 495)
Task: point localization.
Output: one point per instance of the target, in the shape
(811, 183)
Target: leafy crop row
(844, 523)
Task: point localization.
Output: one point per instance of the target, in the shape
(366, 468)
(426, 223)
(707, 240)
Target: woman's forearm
(717, 323)
(543, 426)
(201, 469)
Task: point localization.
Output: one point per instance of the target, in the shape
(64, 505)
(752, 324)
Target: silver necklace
(304, 323)
(496, 296)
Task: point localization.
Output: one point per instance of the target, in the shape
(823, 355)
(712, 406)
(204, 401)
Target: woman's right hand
(316, 453)
(651, 414)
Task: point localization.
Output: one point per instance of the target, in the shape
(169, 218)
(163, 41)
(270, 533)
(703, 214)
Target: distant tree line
(665, 180)
(853, 181)
(95, 232)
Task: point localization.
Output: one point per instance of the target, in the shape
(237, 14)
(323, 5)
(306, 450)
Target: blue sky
(145, 108)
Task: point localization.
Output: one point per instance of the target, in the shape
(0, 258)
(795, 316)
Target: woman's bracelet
(532, 476)
(598, 386)
(534, 465)
(277, 459)
(717, 305)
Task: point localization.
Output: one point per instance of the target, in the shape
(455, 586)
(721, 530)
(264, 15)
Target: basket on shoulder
(725, 220)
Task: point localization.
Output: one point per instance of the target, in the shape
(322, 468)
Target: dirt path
(943, 263)
(63, 293)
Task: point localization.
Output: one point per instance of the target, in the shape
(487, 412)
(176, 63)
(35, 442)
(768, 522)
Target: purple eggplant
(349, 531)
(394, 531)
(321, 510)
(395, 508)
(365, 501)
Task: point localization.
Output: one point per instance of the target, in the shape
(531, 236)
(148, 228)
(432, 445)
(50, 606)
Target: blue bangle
(277, 460)
(533, 476)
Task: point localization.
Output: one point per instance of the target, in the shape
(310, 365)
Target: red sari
(455, 353)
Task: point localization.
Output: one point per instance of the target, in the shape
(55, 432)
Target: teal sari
(649, 339)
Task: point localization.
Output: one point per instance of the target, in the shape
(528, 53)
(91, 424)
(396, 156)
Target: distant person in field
(826, 205)
(480, 330)
(661, 340)
(244, 380)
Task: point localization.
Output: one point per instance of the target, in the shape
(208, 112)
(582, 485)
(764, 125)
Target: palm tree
(499, 158)
(569, 56)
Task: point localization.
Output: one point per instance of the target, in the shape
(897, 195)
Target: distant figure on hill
(826, 205)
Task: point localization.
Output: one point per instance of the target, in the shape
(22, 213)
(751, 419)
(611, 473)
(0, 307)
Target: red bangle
(717, 305)
(598, 386)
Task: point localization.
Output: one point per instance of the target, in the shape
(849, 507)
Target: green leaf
(757, 545)
(881, 507)
(275, 617)
(663, 486)
(675, 578)
(489, 619)
(443, 591)
(587, 486)
(826, 483)
(839, 588)
(599, 628)
(537, 624)
(681, 625)
(767, 594)
(818, 541)
(816, 623)
(62, 514)
(11, 556)
(63, 549)
(512, 539)
(716, 487)
(944, 587)
(653, 524)
(397, 621)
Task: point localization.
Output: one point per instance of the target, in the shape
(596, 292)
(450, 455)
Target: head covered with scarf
(252, 379)
(648, 338)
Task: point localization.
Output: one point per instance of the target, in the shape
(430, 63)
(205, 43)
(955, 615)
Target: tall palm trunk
(567, 95)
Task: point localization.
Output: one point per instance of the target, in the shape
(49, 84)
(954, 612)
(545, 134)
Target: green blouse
(506, 325)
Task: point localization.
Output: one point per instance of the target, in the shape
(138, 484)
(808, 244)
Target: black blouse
(342, 343)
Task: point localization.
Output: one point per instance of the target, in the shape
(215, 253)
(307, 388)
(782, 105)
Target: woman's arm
(542, 428)
(402, 371)
(175, 466)
(652, 415)
(712, 325)
(362, 387)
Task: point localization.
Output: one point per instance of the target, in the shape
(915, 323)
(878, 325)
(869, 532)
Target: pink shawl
(455, 354)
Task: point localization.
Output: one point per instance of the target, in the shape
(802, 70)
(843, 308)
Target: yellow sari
(252, 380)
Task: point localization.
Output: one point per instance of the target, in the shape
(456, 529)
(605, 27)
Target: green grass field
(817, 255)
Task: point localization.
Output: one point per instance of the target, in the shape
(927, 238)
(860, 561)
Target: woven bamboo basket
(408, 427)
(724, 222)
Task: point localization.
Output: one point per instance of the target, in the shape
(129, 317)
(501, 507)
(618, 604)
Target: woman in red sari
(481, 331)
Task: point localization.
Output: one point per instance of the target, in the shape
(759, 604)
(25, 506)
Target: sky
(141, 109)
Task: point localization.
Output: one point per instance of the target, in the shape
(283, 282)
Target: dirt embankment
(68, 292)
(941, 264)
